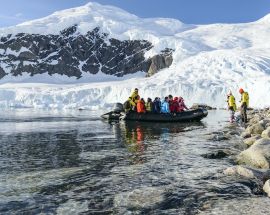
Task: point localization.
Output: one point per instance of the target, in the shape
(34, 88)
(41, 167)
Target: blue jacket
(165, 108)
(157, 106)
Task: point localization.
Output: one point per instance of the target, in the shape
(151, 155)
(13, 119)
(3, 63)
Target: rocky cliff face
(71, 53)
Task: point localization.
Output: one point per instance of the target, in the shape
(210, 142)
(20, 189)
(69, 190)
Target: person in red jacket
(175, 105)
(141, 106)
(182, 105)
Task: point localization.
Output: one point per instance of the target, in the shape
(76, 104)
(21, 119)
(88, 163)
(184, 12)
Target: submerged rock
(216, 155)
(218, 137)
(243, 171)
(144, 197)
(233, 133)
(258, 155)
(235, 206)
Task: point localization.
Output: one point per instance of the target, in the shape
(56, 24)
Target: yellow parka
(231, 102)
(133, 96)
(132, 102)
(245, 99)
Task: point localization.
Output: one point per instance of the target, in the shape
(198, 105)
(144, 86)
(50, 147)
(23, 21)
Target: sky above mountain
(13, 12)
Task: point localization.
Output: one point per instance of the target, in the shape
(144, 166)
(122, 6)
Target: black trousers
(244, 113)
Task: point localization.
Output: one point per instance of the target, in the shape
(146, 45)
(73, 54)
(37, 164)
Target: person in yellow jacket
(128, 105)
(244, 104)
(135, 93)
(231, 106)
(134, 98)
(149, 105)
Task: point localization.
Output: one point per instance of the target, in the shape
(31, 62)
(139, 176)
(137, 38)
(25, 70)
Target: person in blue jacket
(165, 108)
(157, 105)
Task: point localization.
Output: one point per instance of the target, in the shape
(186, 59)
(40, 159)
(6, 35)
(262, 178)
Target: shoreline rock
(254, 161)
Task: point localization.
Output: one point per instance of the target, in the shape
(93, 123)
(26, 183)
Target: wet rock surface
(256, 157)
(246, 172)
(217, 155)
(251, 140)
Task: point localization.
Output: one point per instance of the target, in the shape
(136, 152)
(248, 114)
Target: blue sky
(188, 11)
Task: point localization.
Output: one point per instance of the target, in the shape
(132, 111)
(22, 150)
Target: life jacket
(231, 103)
(140, 107)
(134, 96)
(245, 99)
(149, 106)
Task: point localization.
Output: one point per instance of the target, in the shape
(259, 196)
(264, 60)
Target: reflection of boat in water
(136, 136)
(133, 132)
(152, 130)
(185, 116)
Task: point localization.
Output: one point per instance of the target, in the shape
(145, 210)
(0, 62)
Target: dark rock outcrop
(216, 155)
(158, 62)
(204, 106)
(71, 53)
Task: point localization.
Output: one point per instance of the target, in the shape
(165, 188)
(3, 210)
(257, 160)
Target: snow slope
(209, 60)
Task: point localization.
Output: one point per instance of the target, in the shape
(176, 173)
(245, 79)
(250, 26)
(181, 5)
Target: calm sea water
(74, 163)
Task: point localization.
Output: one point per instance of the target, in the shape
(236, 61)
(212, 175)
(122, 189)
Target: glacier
(208, 61)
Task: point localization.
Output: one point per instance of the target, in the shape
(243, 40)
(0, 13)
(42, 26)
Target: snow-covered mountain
(104, 52)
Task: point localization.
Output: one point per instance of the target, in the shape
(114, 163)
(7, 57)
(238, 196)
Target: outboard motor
(118, 107)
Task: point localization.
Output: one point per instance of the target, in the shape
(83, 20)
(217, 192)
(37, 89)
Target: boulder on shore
(266, 187)
(266, 133)
(251, 140)
(258, 155)
(257, 128)
(243, 171)
(265, 122)
(245, 135)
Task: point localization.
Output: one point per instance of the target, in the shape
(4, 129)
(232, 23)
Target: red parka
(141, 107)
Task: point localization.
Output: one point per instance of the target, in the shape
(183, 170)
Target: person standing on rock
(231, 106)
(244, 104)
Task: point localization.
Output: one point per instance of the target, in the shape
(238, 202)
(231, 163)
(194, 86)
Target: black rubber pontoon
(185, 116)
